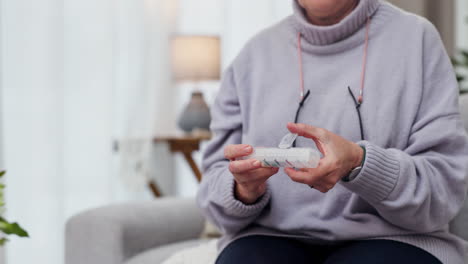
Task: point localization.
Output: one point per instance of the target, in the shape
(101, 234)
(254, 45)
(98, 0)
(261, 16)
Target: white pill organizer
(290, 157)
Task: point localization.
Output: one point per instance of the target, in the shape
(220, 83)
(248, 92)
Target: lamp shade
(195, 58)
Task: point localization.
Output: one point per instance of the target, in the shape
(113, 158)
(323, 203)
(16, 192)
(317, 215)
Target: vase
(196, 114)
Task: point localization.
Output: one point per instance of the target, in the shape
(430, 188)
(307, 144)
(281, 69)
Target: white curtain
(144, 94)
(32, 111)
(76, 75)
(2, 250)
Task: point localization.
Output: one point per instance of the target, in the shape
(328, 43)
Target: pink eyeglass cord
(363, 71)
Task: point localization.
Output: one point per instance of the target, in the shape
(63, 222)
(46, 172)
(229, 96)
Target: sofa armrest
(112, 234)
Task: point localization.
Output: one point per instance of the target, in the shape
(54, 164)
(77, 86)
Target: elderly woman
(371, 87)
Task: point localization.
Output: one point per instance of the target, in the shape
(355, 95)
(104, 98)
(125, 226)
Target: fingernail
(256, 163)
(248, 149)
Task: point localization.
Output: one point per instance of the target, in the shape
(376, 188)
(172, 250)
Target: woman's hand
(249, 175)
(340, 156)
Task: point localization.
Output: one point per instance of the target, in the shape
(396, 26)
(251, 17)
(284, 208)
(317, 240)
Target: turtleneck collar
(325, 35)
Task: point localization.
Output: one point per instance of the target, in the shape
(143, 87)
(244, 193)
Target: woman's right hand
(249, 175)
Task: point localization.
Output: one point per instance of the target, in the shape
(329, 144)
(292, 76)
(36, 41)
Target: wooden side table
(185, 145)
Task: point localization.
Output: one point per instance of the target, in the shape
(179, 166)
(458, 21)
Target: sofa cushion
(204, 253)
(159, 254)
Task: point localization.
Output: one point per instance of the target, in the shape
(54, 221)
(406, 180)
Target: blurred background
(94, 97)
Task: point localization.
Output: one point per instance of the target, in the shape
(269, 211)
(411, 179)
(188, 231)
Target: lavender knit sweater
(413, 180)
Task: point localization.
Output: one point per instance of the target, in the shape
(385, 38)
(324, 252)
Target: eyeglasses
(356, 103)
(301, 103)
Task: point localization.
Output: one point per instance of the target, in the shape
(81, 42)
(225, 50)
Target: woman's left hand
(340, 156)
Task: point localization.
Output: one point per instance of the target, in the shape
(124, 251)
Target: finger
(257, 175)
(235, 151)
(317, 134)
(307, 176)
(307, 131)
(322, 186)
(299, 176)
(253, 186)
(322, 169)
(242, 166)
(262, 173)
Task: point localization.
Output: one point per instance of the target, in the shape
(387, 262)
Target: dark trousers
(272, 250)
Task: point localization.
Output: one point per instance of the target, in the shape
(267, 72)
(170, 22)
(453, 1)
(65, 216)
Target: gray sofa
(133, 233)
(148, 233)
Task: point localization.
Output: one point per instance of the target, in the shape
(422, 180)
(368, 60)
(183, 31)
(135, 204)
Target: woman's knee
(380, 251)
(263, 249)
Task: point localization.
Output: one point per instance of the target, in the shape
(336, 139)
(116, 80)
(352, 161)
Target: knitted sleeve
(216, 193)
(423, 186)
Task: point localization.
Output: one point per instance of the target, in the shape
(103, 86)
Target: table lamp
(195, 59)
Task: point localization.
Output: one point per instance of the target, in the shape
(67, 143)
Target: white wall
(245, 18)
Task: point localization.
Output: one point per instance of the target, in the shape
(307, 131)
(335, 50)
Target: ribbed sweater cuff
(237, 208)
(378, 176)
